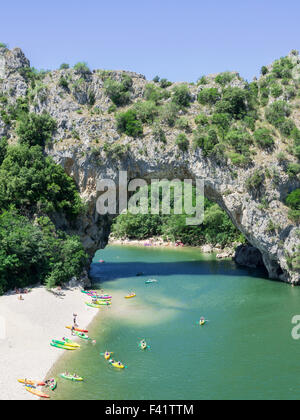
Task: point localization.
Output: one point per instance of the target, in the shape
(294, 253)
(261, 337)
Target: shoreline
(221, 253)
(30, 327)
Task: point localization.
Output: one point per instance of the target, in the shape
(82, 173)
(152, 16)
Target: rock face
(89, 147)
(248, 256)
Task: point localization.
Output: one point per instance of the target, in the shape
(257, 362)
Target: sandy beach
(30, 326)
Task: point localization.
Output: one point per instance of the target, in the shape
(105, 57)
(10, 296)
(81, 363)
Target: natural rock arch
(221, 186)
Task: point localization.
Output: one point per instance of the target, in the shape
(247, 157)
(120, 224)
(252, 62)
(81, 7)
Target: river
(245, 350)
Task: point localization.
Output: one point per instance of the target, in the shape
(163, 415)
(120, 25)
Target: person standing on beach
(74, 320)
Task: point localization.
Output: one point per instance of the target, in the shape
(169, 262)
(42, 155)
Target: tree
(34, 129)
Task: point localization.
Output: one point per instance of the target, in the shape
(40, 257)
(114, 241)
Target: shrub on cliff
(155, 94)
(254, 182)
(181, 96)
(235, 102)
(128, 123)
(118, 92)
(182, 142)
(34, 129)
(277, 113)
(264, 138)
(293, 201)
(224, 78)
(82, 68)
(208, 96)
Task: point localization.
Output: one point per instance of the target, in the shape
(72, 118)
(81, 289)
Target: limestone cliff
(89, 146)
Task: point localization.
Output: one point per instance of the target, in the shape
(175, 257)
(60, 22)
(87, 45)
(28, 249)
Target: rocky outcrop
(89, 147)
(248, 256)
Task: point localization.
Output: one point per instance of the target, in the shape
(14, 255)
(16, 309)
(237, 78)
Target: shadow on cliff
(109, 271)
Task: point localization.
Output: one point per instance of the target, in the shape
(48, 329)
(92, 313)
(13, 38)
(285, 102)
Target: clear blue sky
(177, 39)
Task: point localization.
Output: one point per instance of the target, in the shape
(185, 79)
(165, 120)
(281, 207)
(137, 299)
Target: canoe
(82, 336)
(64, 343)
(103, 302)
(116, 364)
(36, 392)
(63, 347)
(93, 305)
(53, 384)
(77, 329)
(71, 378)
(70, 342)
(29, 382)
(130, 296)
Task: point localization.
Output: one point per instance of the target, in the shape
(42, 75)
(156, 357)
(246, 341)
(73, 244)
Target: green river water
(245, 351)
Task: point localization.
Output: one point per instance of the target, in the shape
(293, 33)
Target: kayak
(130, 296)
(36, 392)
(82, 336)
(150, 281)
(78, 329)
(29, 382)
(71, 377)
(103, 302)
(64, 343)
(143, 346)
(107, 355)
(117, 365)
(63, 347)
(70, 342)
(53, 384)
(201, 323)
(104, 297)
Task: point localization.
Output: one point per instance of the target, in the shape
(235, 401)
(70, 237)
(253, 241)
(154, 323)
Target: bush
(234, 102)
(277, 112)
(128, 123)
(208, 96)
(264, 70)
(183, 124)
(32, 253)
(282, 68)
(276, 90)
(181, 96)
(145, 111)
(255, 181)
(164, 83)
(202, 120)
(63, 83)
(155, 94)
(205, 141)
(264, 138)
(118, 92)
(82, 68)
(3, 45)
(34, 129)
(182, 142)
(64, 66)
(240, 140)
(158, 133)
(293, 169)
(293, 200)
(34, 183)
(202, 81)
(156, 79)
(169, 113)
(224, 78)
(222, 121)
(3, 148)
(239, 160)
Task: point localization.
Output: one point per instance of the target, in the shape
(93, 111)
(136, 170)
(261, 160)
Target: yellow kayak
(201, 323)
(130, 296)
(29, 382)
(117, 365)
(107, 355)
(36, 392)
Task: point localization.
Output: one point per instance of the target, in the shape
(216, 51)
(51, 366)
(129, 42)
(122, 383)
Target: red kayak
(78, 329)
